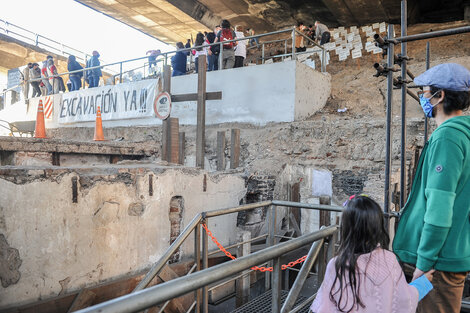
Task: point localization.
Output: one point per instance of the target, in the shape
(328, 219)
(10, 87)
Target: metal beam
(302, 276)
(439, 33)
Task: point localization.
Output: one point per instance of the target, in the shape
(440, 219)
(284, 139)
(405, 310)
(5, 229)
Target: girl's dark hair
(362, 231)
(199, 41)
(225, 24)
(453, 100)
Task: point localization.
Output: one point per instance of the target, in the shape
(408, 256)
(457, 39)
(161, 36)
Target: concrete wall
(314, 183)
(309, 82)
(115, 227)
(277, 92)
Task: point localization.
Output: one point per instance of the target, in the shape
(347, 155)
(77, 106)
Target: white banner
(123, 101)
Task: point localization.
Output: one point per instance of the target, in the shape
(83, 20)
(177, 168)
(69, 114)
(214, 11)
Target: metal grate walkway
(262, 304)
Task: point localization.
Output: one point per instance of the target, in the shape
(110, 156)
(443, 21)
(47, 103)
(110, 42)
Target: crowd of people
(44, 78)
(46, 82)
(233, 53)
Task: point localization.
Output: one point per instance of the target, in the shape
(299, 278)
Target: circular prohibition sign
(162, 105)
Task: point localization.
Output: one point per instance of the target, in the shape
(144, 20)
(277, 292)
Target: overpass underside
(177, 20)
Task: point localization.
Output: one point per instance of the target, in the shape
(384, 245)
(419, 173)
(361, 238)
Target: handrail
(302, 276)
(324, 207)
(157, 267)
(157, 294)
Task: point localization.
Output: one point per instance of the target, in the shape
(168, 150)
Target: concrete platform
(32, 151)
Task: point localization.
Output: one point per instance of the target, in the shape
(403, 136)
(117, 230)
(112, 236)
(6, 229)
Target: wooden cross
(201, 96)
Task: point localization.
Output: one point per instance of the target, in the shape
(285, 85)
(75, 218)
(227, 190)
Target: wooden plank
(220, 150)
(235, 148)
(295, 197)
(182, 141)
(167, 78)
(83, 300)
(166, 122)
(295, 224)
(174, 140)
(324, 221)
(201, 112)
(243, 283)
(325, 216)
(165, 140)
(217, 95)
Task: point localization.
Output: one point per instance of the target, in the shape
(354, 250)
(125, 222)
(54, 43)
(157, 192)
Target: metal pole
(323, 60)
(156, 268)
(236, 209)
(439, 33)
(425, 117)
(262, 53)
(388, 141)
(197, 259)
(269, 243)
(285, 49)
(302, 276)
(403, 106)
(276, 290)
(221, 56)
(120, 72)
(293, 44)
(205, 265)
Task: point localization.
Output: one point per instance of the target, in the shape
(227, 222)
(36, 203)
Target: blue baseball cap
(450, 76)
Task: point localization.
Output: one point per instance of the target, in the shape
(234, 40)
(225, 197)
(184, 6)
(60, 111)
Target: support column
(276, 290)
(388, 135)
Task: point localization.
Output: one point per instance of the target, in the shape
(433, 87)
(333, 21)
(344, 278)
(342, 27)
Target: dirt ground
(354, 87)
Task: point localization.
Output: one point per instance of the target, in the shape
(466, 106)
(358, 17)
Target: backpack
(225, 35)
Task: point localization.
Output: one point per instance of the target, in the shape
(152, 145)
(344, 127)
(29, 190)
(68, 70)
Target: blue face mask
(426, 104)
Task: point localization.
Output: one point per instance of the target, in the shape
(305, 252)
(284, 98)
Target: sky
(80, 27)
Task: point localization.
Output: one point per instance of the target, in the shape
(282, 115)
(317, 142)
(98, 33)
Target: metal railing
(161, 294)
(163, 57)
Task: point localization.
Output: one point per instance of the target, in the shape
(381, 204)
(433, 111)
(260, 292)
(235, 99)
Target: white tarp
(123, 101)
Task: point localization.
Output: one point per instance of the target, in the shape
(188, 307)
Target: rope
(255, 268)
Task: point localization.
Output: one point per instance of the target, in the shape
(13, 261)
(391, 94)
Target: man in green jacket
(434, 229)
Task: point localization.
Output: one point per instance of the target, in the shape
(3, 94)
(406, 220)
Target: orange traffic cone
(40, 131)
(98, 126)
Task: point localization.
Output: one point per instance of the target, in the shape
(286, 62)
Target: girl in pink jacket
(378, 284)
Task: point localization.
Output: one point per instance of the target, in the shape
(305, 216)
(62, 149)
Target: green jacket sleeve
(443, 172)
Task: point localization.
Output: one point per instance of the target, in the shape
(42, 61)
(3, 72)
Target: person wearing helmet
(434, 229)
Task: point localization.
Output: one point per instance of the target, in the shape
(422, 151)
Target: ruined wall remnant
(259, 188)
(10, 262)
(349, 182)
(115, 227)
